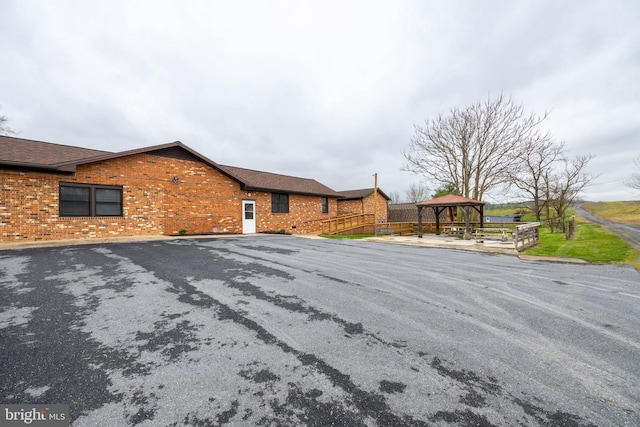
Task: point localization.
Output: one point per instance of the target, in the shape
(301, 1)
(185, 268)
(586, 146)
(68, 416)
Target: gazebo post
(451, 201)
(467, 221)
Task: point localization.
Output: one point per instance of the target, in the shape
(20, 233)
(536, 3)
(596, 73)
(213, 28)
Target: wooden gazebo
(450, 201)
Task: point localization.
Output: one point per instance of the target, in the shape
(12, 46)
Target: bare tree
(4, 128)
(634, 180)
(417, 193)
(473, 148)
(394, 197)
(536, 163)
(564, 187)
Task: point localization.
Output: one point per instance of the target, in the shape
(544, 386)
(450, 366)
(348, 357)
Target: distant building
(357, 202)
(408, 212)
(503, 218)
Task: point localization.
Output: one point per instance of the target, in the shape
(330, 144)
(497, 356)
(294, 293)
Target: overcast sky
(320, 89)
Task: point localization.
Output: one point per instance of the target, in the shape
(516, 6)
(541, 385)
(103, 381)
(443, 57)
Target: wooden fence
(456, 227)
(526, 235)
(397, 228)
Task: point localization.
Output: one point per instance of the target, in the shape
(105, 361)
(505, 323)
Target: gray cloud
(327, 90)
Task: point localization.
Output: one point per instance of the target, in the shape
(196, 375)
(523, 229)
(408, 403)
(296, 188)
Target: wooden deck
(525, 235)
(349, 223)
(455, 228)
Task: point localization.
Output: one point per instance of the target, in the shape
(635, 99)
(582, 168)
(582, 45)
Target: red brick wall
(202, 201)
(364, 206)
(350, 207)
(305, 214)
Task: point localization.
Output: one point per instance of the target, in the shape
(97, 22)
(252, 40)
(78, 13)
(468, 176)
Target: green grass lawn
(592, 243)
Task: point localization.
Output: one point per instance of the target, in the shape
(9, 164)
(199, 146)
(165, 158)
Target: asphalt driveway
(280, 330)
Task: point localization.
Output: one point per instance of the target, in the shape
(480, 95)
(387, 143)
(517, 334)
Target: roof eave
(360, 194)
(451, 204)
(108, 156)
(70, 166)
(37, 166)
(283, 191)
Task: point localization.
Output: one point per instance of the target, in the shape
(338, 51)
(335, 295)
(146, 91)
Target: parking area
(281, 330)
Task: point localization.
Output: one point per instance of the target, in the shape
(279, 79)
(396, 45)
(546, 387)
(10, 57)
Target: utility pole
(375, 204)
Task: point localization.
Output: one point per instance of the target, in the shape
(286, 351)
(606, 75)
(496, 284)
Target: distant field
(625, 212)
(591, 243)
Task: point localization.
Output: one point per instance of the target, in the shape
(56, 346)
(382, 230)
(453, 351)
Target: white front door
(248, 217)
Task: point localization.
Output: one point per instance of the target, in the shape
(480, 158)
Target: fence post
(528, 234)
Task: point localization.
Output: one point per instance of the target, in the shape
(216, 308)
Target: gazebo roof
(450, 200)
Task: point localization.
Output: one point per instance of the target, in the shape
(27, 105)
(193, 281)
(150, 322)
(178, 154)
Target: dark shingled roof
(360, 194)
(271, 182)
(28, 153)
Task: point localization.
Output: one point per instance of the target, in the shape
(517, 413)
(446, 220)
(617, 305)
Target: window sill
(86, 218)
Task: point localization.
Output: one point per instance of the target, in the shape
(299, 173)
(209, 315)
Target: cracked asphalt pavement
(281, 330)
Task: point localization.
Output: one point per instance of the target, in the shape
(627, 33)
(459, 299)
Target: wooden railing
(343, 224)
(404, 228)
(456, 227)
(526, 235)
(397, 228)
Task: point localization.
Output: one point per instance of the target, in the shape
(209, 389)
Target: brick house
(356, 202)
(296, 205)
(52, 191)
